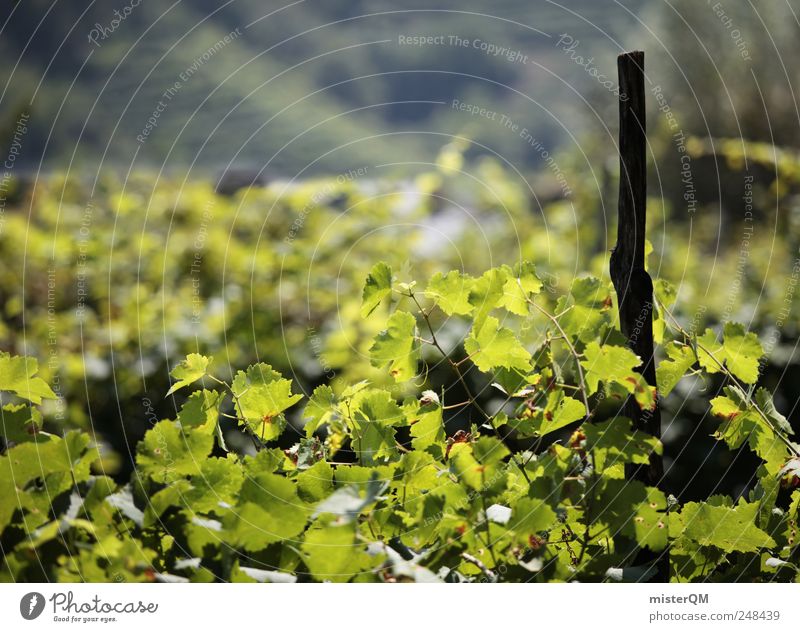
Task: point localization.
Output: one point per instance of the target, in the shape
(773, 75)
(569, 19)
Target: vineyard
(454, 425)
(372, 293)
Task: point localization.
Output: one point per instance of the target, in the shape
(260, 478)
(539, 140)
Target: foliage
(377, 489)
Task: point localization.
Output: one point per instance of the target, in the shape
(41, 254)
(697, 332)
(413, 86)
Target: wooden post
(632, 283)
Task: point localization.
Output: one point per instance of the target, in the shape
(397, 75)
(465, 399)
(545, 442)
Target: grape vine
(381, 485)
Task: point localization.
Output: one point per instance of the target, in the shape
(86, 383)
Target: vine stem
(457, 369)
(483, 568)
(258, 445)
(572, 350)
(486, 519)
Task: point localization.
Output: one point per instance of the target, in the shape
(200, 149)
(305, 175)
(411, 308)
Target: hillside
(287, 89)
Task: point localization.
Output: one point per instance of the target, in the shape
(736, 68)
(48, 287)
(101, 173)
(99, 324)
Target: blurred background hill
(334, 68)
(318, 86)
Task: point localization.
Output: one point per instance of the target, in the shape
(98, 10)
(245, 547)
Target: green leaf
(743, 351)
(201, 411)
(519, 286)
(479, 465)
(739, 351)
(20, 423)
(767, 406)
(669, 372)
(741, 422)
(354, 389)
(585, 309)
(347, 503)
(487, 294)
(269, 510)
(261, 395)
(615, 442)
(374, 417)
(664, 292)
(559, 411)
(613, 364)
(489, 451)
(378, 407)
(377, 287)
(219, 481)
(531, 516)
(320, 410)
(167, 453)
(315, 483)
(397, 347)
(375, 443)
(428, 428)
(451, 292)
(631, 509)
(333, 554)
(57, 464)
(493, 346)
(265, 461)
(191, 369)
(18, 376)
(727, 528)
(726, 408)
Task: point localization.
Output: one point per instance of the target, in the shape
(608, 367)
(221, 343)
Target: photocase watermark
(162, 450)
(788, 296)
(149, 411)
(197, 261)
(67, 609)
(317, 348)
(569, 45)
(53, 360)
(20, 129)
(783, 314)
(476, 110)
(31, 605)
(679, 138)
(183, 78)
(102, 32)
(507, 123)
(744, 249)
(735, 33)
(81, 268)
(697, 320)
(487, 48)
(645, 314)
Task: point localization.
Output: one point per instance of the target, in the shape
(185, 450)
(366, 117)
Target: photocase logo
(31, 605)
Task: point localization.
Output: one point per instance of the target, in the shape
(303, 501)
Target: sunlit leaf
(191, 369)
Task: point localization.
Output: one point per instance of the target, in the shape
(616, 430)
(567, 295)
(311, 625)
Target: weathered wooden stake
(631, 281)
